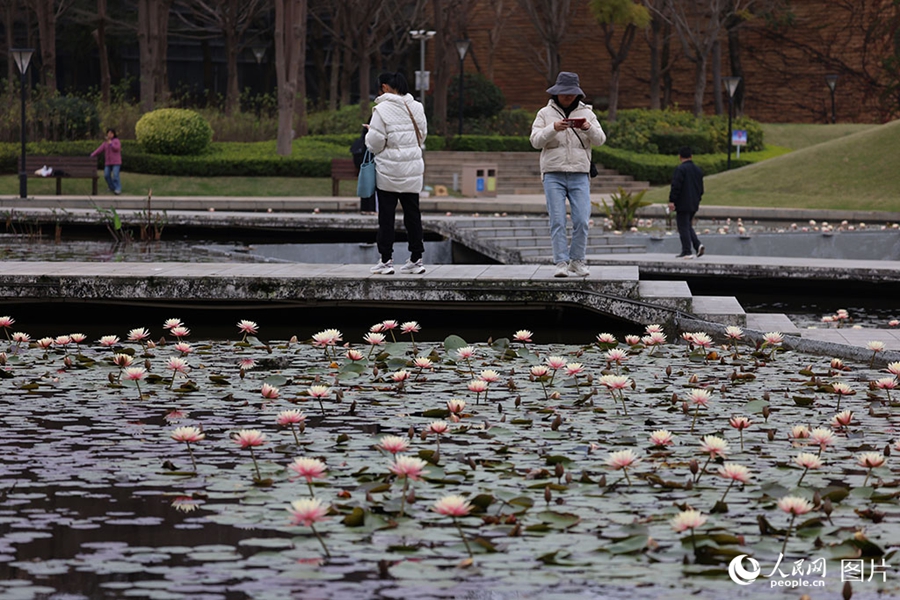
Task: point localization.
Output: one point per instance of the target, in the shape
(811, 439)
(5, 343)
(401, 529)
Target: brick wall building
(784, 67)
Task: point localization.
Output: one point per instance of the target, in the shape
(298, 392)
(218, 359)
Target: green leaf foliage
(175, 131)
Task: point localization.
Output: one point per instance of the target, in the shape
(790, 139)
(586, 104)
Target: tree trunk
(346, 76)
(699, 83)
(655, 26)
(100, 38)
(299, 40)
(290, 29)
(148, 45)
(162, 50)
(666, 63)
(12, 71)
(365, 85)
(717, 76)
(336, 57)
(46, 16)
(441, 76)
(232, 89)
(208, 79)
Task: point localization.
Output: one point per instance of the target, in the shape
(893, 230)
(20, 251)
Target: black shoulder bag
(593, 170)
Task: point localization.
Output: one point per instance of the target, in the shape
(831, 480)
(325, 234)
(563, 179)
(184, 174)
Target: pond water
(98, 501)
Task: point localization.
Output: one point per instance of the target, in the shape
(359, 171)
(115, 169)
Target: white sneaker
(578, 268)
(413, 268)
(383, 268)
(562, 270)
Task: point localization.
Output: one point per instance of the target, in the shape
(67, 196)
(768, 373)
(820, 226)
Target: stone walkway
(283, 210)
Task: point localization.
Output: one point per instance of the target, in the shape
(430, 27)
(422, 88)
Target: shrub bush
(481, 97)
(173, 131)
(67, 118)
(670, 142)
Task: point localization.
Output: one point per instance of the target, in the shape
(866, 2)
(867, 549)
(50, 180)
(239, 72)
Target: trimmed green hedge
(173, 131)
(312, 157)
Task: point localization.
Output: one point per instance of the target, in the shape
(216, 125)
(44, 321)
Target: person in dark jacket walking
(684, 199)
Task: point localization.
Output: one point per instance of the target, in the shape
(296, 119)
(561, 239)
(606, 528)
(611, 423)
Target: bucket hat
(566, 83)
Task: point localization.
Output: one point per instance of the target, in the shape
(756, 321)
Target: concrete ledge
(719, 309)
(673, 294)
(772, 322)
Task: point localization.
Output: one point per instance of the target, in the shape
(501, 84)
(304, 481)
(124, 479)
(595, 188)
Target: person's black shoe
(685, 256)
(701, 250)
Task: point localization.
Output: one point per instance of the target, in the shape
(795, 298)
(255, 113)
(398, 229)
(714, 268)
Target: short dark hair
(396, 80)
(113, 132)
(685, 152)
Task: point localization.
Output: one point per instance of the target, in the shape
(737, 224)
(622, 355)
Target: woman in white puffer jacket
(397, 137)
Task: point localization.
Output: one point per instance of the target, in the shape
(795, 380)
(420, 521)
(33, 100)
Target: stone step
(772, 322)
(540, 240)
(719, 309)
(545, 253)
(671, 294)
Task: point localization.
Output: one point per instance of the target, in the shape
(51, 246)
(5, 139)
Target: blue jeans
(111, 175)
(577, 188)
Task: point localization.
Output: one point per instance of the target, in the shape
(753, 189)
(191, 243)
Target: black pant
(412, 221)
(367, 204)
(686, 231)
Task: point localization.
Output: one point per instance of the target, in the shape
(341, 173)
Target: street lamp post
(259, 53)
(422, 76)
(462, 47)
(731, 85)
(22, 56)
(831, 80)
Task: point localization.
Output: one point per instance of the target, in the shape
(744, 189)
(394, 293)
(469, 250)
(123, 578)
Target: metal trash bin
(479, 181)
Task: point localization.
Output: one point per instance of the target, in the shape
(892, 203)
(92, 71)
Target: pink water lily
(176, 365)
(632, 340)
(698, 397)
(773, 340)
(842, 419)
(188, 435)
(607, 339)
(807, 461)
(740, 423)
(822, 437)
(478, 386)
(467, 353)
(540, 372)
(841, 389)
(44, 343)
(870, 460)
(180, 332)
(247, 328)
(172, 323)
(799, 432)
(390, 325)
(411, 327)
(622, 459)
(20, 338)
(794, 506)
(269, 392)
(309, 469)
(688, 520)
(654, 339)
(319, 392)
(454, 506)
(355, 355)
(374, 340)
(291, 418)
(183, 347)
(616, 384)
(661, 438)
(615, 356)
(6, 322)
(875, 346)
(523, 335)
(139, 335)
(77, 338)
(715, 447)
(735, 473)
(308, 512)
(394, 444)
(108, 341)
(407, 467)
(249, 439)
(894, 369)
(135, 374)
(456, 406)
(887, 384)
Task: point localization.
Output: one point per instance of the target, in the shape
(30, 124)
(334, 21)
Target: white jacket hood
(569, 150)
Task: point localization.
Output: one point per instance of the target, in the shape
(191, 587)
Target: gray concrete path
(294, 209)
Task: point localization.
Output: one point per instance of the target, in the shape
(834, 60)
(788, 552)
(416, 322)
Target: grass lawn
(858, 171)
(798, 136)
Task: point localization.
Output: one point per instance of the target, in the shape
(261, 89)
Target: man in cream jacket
(564, 132)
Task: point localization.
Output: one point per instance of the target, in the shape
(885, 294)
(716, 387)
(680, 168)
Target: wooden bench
(64, 167)
(341, 168)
